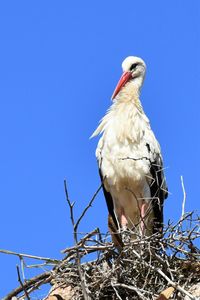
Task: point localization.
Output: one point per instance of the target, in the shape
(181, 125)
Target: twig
(22, 263)
(116, 292)
(82, 241)
(184, 198)
(45, 277)
(20, 255)
(71, 205)
(160, 272)
(21, 283)
(87, 207)
(78, 259)
(132, 288)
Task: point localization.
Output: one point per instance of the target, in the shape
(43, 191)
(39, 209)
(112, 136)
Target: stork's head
(133, 71)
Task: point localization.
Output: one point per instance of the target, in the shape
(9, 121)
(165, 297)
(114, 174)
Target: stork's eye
(133, 66)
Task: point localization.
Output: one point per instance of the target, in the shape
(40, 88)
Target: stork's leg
(116, 237)
(123, 219)
(143, 211)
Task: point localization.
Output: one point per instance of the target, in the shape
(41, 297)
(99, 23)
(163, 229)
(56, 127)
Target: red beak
(126, 76)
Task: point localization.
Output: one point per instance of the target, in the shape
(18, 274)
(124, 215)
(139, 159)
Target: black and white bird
(129, 157)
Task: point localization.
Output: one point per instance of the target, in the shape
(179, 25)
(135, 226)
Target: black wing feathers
(109, 202)
(159, 193)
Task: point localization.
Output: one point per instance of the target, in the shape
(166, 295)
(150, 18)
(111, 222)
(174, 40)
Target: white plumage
(129, 156)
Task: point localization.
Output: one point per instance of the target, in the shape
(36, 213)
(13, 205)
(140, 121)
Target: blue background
(59, 64)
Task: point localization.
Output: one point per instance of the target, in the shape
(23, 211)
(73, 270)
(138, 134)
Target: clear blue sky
(59, 64)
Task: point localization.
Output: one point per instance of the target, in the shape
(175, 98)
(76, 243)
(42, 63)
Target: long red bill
(126, 76)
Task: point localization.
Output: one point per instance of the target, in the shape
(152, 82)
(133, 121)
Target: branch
(20, 255)
(43, 278)
(184, 198)
(132, 288)
(78, 260)
(160, 272)
(71, 205)
(82, 241)
(87, 207)
(21, 283)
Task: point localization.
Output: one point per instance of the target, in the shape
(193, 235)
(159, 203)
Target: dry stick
(22, 263)
(76, 238)
(116, 292)
(87, 207)
(75, 227)
(78, 260)
(184, 218)
(20, 255)
(82, 241)
(72, 256)
(69, 203)
(132, 288)
(160, 272)
(41, 266)
(21, 283)
(35, 287)
(44, 278)
(164, 262)
(184, 198)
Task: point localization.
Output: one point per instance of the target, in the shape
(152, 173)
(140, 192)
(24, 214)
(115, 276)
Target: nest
(154, 267)
(142, 270)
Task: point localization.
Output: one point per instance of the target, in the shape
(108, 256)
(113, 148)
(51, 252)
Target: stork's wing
(109, 201)
(159, 192)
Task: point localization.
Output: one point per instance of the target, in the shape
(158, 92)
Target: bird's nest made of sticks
(144, 268)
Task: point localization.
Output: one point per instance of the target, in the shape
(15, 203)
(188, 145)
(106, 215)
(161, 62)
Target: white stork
(129, 157)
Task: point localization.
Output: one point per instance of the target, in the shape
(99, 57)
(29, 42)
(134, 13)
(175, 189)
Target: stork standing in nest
(129, 158)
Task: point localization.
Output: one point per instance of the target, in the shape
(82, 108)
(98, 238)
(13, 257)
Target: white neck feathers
(126, 105)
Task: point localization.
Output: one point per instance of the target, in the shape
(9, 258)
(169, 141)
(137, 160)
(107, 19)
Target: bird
(129, 159)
